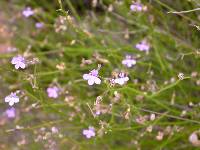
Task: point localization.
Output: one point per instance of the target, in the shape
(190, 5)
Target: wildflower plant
(76, 88)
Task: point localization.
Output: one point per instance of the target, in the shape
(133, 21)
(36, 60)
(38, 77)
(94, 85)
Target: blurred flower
(27, 12)
(141, 119)
(92, 77)
(194, 138)
(54, 130)
(122, 79)
(53, 92)
(152, 117)
(160, 136)
(143, 46)
(129, 61)
(10, 112)
(136, 7)
(90, 132)
(85, 62)
(12, 99)
(19, 62)
(61, 66)
(39, 25)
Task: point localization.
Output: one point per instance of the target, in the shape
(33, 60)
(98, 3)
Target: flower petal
(97, 80)
(86, 76)
(22, 65)
(91, 81)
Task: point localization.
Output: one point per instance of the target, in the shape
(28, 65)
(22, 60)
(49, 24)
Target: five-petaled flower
(12, 99)
(129, 61)
(90, 132)
(92, 77)
(143, 46)
(122, 79)
(10, 112)
(53, 92)
(27, 12)
(19, 62)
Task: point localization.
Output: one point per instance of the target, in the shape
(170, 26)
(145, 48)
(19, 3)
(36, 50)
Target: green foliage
(111, 35)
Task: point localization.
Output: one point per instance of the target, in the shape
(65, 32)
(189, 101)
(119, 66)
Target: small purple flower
(12, 99)
(19, 62)
(129, 61)
(136, 7)
(53, 92)
(122, 79)
(10, 112)
(90, 132)
(92, 77)
(143, 46)
(27, 12)
(39, 25)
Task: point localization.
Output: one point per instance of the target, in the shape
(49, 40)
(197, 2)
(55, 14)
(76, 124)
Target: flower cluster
(92, 77)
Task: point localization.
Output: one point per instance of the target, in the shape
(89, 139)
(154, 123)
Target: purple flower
(10, 112)
(129, 61)
(122, 79)
(92, 77)
(53, 92)
(12, 99)
(90, 132)
(39, 25)
(143, 46)
(19, 62)
(27, 12)
(136, 7)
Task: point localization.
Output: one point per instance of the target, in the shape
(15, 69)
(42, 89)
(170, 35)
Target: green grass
(174, 49)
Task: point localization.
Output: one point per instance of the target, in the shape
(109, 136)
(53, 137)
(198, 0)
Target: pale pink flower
(129, 61)
(19, 62)
(39, 25)
(136, 7)
(27, 12)
(143, 46)
(92, 77)
(90, 132)
(11, 112)
(12, 99)
(122, 79)
(53, 92)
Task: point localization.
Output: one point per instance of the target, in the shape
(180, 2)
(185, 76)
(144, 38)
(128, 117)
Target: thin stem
(183, 12)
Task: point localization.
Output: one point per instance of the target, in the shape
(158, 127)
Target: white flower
(12, 99)
(92, 77)
(19, 62)
(122, 79)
